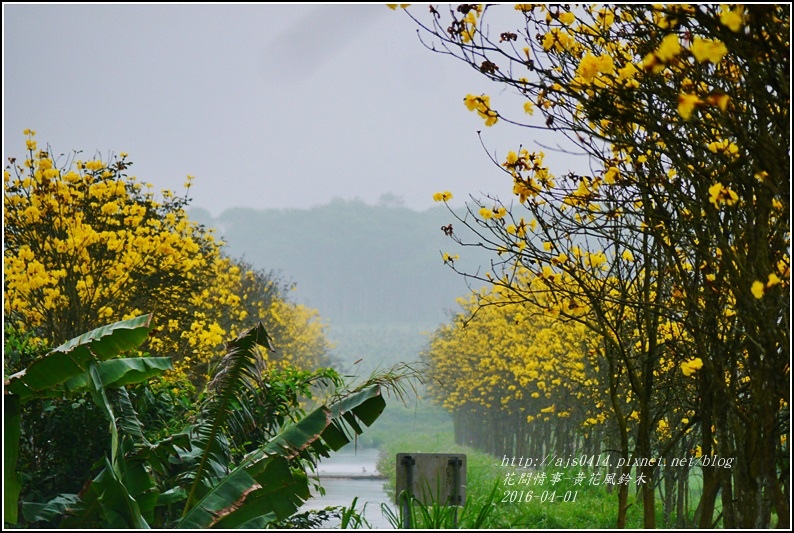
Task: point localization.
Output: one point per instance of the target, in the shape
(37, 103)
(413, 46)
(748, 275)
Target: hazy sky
(267, 105)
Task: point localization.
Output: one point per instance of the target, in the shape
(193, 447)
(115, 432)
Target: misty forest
(607, 348)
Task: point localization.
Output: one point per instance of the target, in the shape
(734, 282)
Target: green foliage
(351, 518)
(83, 363)
(476, 513)
(11, 480)
(594, 507)
(78, 363)
(19, 350)
(193, 476)
(316, 518)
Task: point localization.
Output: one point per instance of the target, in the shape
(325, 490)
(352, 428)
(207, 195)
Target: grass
(422, 427)
(487, 503)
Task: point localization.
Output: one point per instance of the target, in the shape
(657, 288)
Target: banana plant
(189, 479)
(265, 487)
(89, 361)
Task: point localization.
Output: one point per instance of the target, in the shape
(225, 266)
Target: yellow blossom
(669, 48)
(719, 100)
(708, 50)
(442, 196)
(724, 146)
(692, 366)
(629, 70)
(686, 104)
(697, 451)
(588, 67)
(567, 17)
(605, 64)
(758, 289)
(610, 175)
(783, 267)
(719, 194)
(732, 19)
(74, 204)
(110, 208)
(482, 104)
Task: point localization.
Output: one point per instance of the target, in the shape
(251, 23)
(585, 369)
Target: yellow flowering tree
(526, 377)
(85, 243)
(579, 267)
(683, 112)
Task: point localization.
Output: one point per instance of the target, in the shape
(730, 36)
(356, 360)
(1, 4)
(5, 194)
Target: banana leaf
(263, 489)
(35, 512)
(42, 378)
(11, 479)
(107, 503)
(121, 372)
(66, 368)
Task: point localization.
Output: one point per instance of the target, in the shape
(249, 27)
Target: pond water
(348, 474)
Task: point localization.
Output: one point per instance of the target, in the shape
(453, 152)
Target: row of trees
(86, 244)
(671, 252)
(521, 382)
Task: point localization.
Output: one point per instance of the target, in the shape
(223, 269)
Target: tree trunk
(645, 470)
(710, 479)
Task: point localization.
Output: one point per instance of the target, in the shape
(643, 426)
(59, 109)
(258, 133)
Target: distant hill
(360, 265)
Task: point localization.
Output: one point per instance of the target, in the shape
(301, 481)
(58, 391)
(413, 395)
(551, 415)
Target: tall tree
(683, 111)
(86, 243)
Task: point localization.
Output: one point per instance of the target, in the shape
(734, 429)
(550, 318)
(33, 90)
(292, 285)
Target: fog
(269, 106)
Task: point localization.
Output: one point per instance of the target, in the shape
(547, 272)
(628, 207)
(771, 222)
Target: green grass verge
(488, 504)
